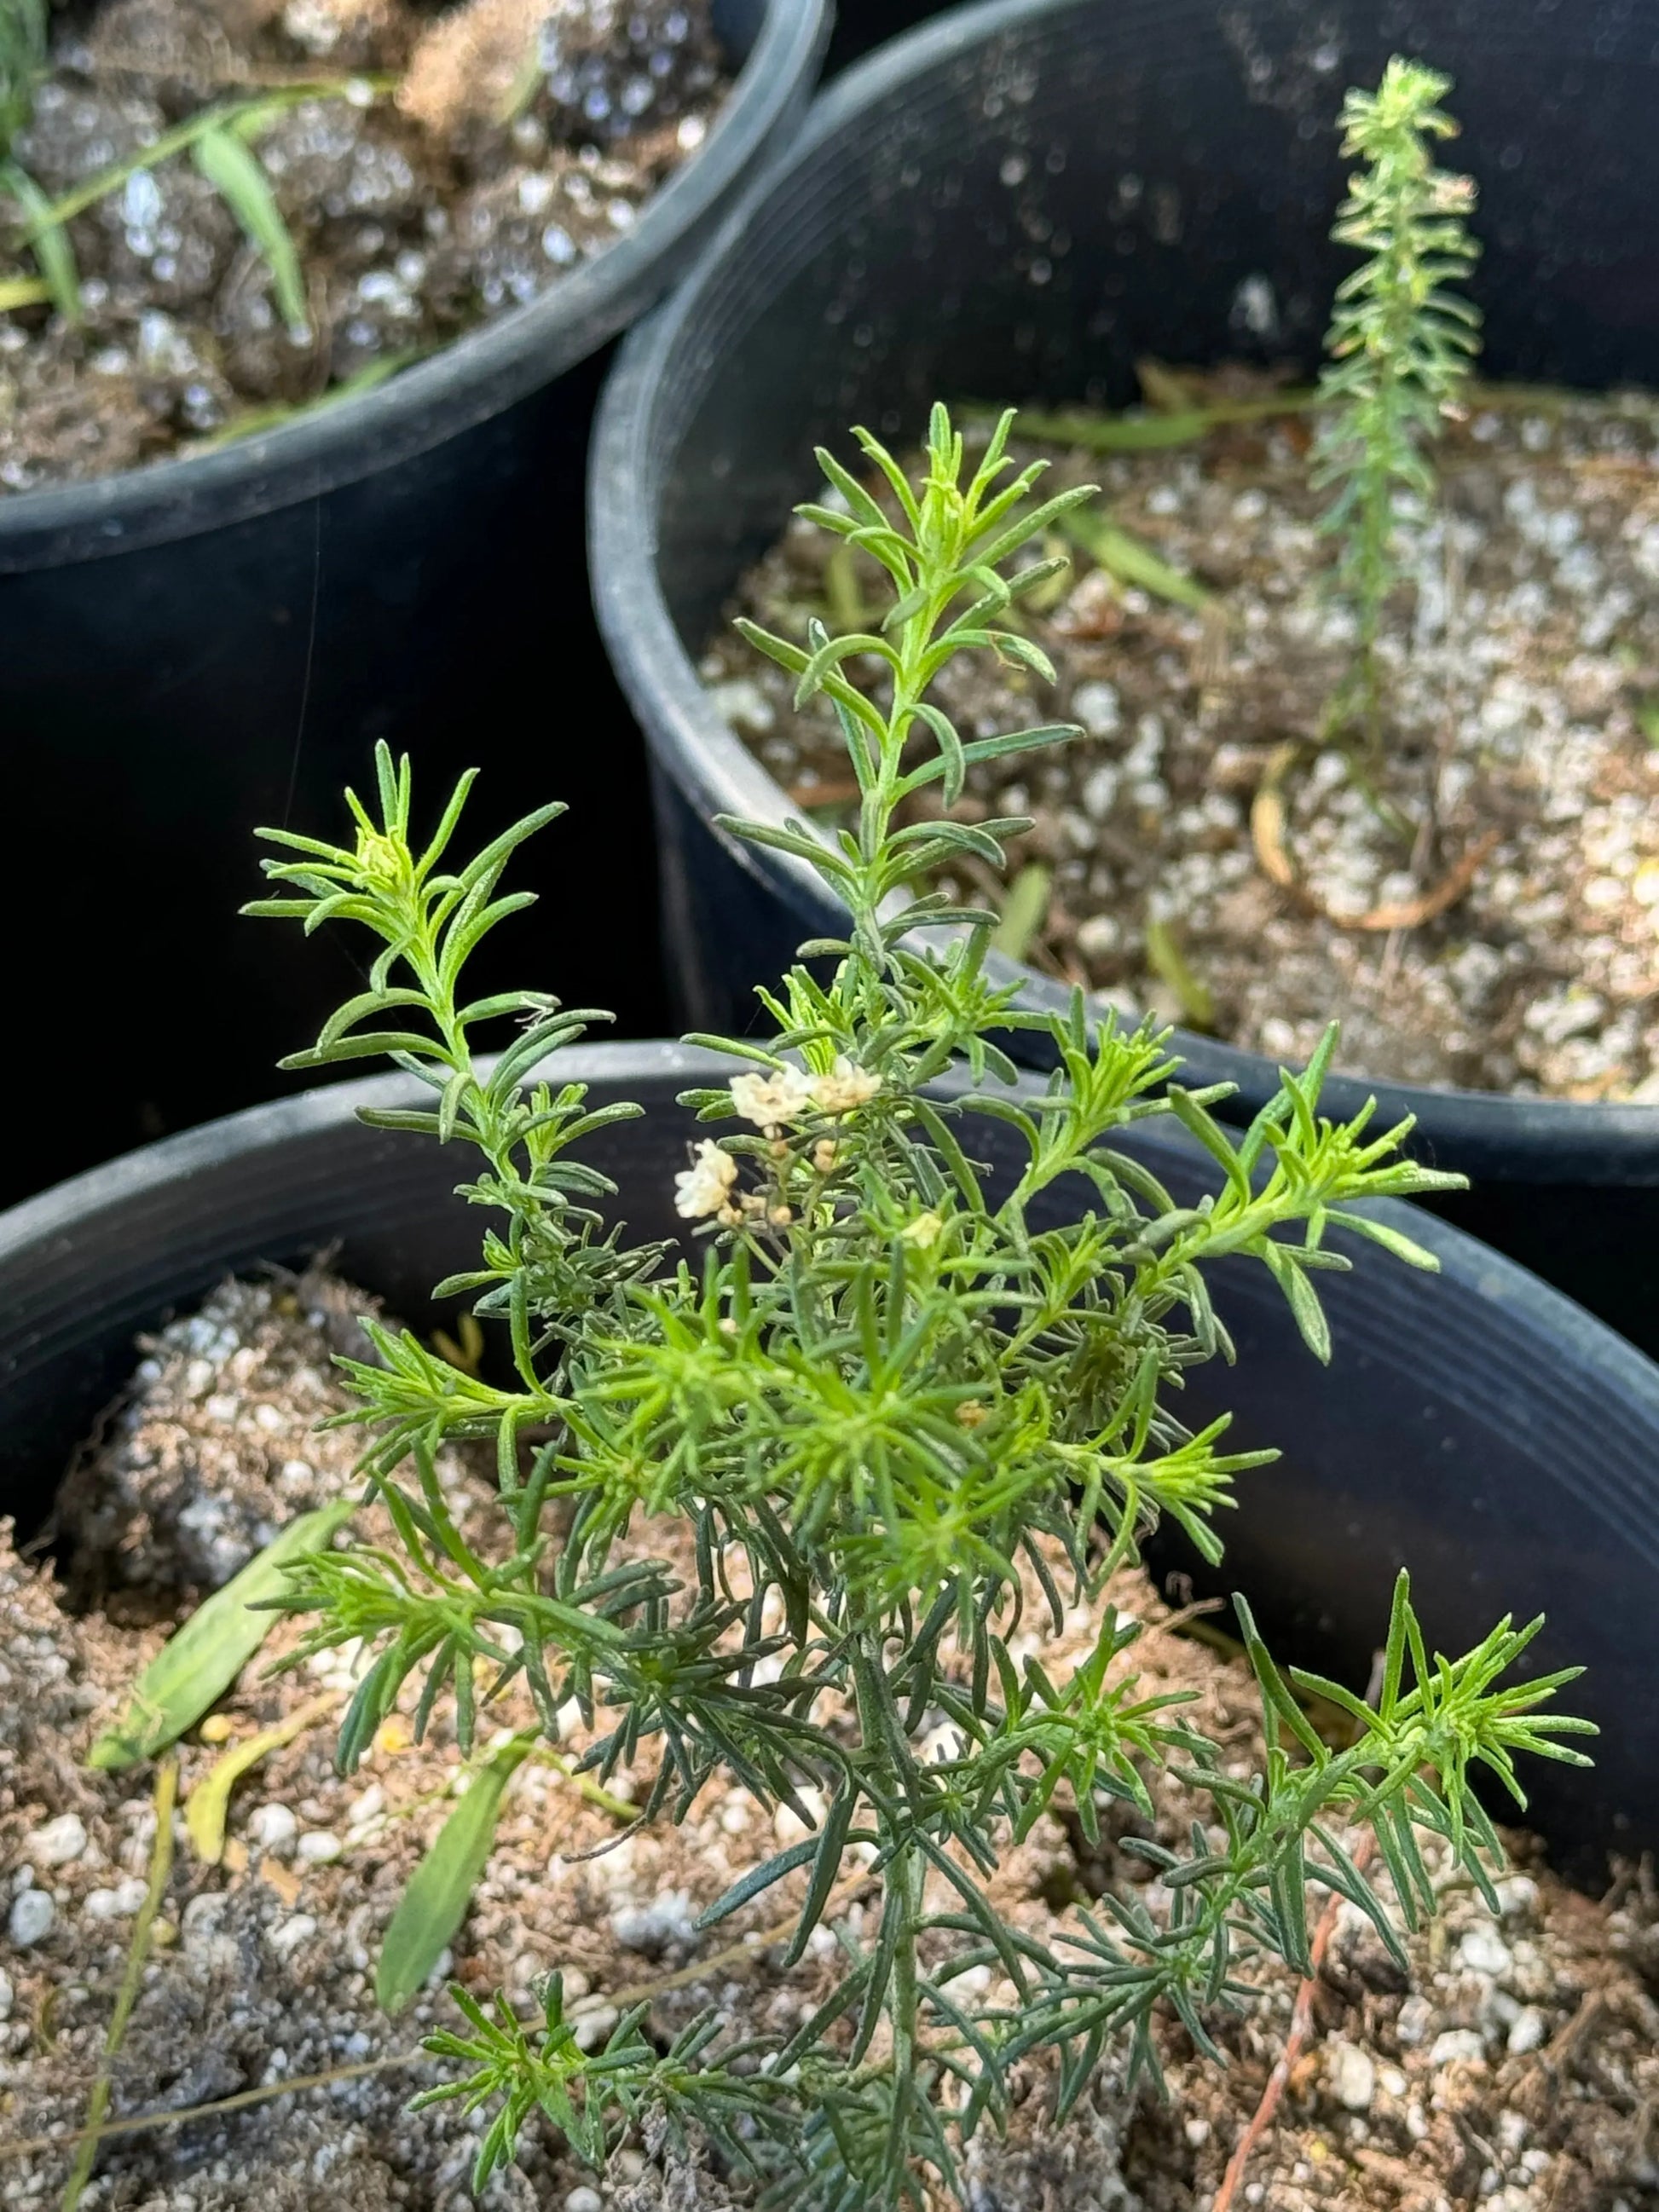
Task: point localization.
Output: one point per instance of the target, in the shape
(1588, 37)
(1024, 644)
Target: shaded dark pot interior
(1015, 203)
(1472, 1425)
(218, 643)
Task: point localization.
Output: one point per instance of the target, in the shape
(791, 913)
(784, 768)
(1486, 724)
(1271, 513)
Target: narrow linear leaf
(49, 242)
(233, 170)
(1169, 963)
(1022, 911)
(132, 1981)
(441, 1888)
(1131, 561)
(195, 1667)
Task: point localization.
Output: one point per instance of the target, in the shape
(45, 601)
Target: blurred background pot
(938, 230)
(217, 641)
(1473, 1424)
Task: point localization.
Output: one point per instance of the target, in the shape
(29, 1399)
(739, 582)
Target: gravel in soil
(1516, 2067)
(1521, 750)
(417, 212)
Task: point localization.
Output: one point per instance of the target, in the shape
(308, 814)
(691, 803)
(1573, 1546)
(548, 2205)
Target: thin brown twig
(1301, 2023)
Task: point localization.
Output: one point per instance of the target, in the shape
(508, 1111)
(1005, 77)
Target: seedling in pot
(888, 1402)
(1400, 347)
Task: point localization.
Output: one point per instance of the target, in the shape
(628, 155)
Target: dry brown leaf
(1412, 914)
(465, 69)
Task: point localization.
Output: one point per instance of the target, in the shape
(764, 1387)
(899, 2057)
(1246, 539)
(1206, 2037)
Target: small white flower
(780, 1095)
(702, 1187)
(845, 1088)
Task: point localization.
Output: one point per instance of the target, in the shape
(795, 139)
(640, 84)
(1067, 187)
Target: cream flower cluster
(771, 1098)
(705, 1186)
(782, 1095)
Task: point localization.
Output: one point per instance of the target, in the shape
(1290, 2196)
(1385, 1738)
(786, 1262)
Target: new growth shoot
(895, 1399)
(1401, 346)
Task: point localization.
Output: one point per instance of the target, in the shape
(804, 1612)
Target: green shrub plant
(880, 1394)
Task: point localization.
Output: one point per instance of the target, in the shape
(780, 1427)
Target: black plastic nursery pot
(217, 641)
(862, 24)
(1475, 1424)
(1014, 203)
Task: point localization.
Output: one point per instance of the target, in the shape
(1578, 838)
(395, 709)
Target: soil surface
(1517, 2068)
(416, 210)
(1486, 913)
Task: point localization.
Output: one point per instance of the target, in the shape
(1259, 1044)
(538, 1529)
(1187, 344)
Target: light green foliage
(1401, 342)
(886, 1397)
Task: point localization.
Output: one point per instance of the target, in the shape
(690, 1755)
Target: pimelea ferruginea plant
(1401, 346)
(877, 1395)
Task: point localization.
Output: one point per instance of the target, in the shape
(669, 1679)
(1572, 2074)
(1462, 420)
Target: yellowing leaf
(208, 1802)
(195, 1667)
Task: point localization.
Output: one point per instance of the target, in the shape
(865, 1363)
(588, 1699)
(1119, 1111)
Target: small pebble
(31, 1918)
(288, 1935)
(59, 1841)
(1482, 1950)
(318, 1847)
(590, 2027)
(1353, 2076)
(1457, 2045)
(117, 1904)
(7, 1995)
(272, 1827)
(584, 2199)
(1527, 2030)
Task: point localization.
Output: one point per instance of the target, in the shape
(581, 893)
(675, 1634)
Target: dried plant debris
(429, 171)
(1513, 808)
(1516, 2067)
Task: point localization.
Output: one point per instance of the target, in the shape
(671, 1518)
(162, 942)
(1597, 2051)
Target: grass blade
(1131, 561)
(1100, 432)
(435, 1904)
(233, 169)
(160, 1866)
(1169, 963)
(1022, 911)
(195, 1667)
(49, 242)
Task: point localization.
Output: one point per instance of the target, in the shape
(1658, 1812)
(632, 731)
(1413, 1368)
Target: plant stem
(160, 1866)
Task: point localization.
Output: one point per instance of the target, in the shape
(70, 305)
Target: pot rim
(463, 383)
(1492, 1134)
(55, 1219)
